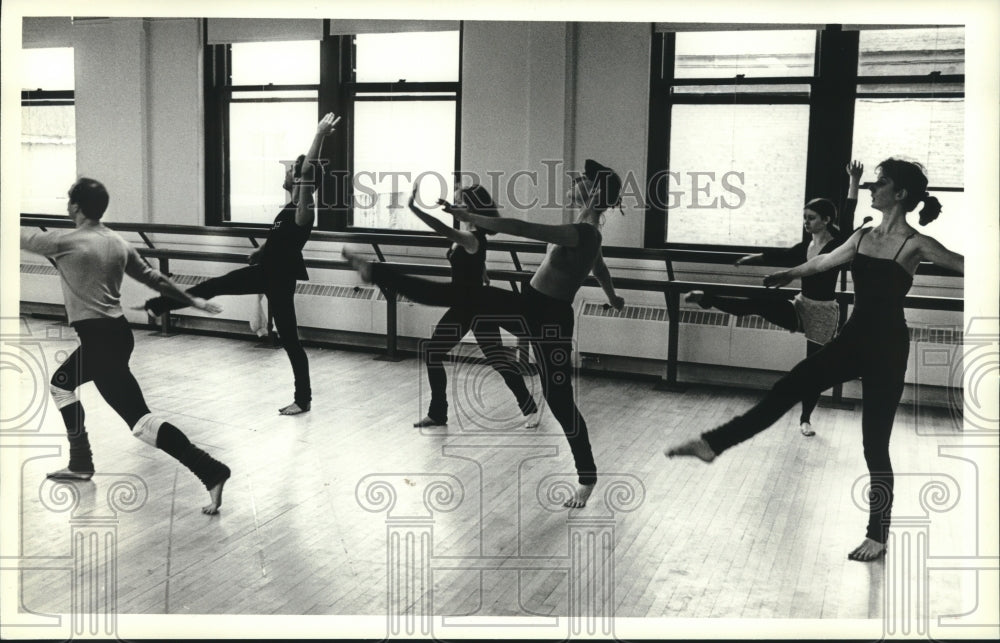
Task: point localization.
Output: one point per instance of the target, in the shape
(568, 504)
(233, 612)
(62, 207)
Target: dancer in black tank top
(814, 311)
(276, 267)
(463, 297)
(872, 345)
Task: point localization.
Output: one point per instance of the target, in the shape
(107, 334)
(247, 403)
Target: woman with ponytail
(814, 311)
(873, 345)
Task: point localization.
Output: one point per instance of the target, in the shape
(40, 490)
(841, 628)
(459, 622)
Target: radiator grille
(756, 322)
(326, 290)
(640, 313)
(38, 269)
(936, 335)
(704, 317)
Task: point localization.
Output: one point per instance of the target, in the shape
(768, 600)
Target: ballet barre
(671, 288)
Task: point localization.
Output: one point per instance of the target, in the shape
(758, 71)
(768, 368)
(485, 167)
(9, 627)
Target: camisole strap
(903, 244)
(864, 231)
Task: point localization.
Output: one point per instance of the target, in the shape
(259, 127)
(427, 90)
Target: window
(781, 112)
(736, 140)
(915, 77)
(397, 95)
(48, 129)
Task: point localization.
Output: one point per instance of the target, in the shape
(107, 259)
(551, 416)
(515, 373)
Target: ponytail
(931, 209)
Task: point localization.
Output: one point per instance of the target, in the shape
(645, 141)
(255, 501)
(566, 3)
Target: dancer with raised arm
(872, 345)
(462, 296)
(546, 303)
(276, 266)
(92, 261)
(814, 311)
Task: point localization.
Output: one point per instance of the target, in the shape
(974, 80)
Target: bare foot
(215, 493)
(359, 263)
(806, 429)
(698, 448)
(531, 420)
(294, 409)
(867, 551)
(696, 297)
(579, 499)
(428, 421)
(66, 474)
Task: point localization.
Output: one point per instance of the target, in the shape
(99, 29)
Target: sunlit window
(48, 129)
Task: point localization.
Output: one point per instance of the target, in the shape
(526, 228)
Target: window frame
(337, 92)
(833, 91)
(46, 98)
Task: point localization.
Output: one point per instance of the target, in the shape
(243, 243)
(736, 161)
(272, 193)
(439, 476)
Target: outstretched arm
(603, 276)
(304, 213)
(465, 239)
(563, 235)
(820, 263)
(932, 250)
(139, 270)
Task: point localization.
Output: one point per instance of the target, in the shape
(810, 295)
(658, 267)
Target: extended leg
(838, 362)
(242, 281)
(779, 312)
(487, 332)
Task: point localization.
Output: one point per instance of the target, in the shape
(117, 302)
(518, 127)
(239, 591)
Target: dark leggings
(780, 312)
(280, 293)
(462, 316)
(872, 350)
(102, 357)
(105, 348)
(550, 324)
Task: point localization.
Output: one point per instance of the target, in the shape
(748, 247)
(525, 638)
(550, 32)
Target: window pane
(948, 228)
(48, 158)
(411, 138)
(767, 144)
(278, 63)
(931, 132)
(415, 57)
(906, 52)
(724, 54)
(742, 89)
(266, 138)
(48, 69)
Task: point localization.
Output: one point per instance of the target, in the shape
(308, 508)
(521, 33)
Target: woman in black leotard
(814, 311)
(467, 257)
(873, 344)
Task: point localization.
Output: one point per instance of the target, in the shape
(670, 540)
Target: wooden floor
(307, 528)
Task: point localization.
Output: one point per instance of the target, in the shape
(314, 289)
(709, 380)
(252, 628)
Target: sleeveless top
(880, 287)
(467, 269)
(281, 256)
(566, 268)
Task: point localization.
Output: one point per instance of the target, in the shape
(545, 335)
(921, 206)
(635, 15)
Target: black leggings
(780, 312)
(102, 357)
(462, 316)
(550, 327)
(875, 352)
(105, 348)
(280, 292)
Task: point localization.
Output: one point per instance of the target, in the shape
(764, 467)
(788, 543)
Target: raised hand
(207, 306)
(413, 195)
(617, 302)
(460, 212)
(327, 124)
(855, 170)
